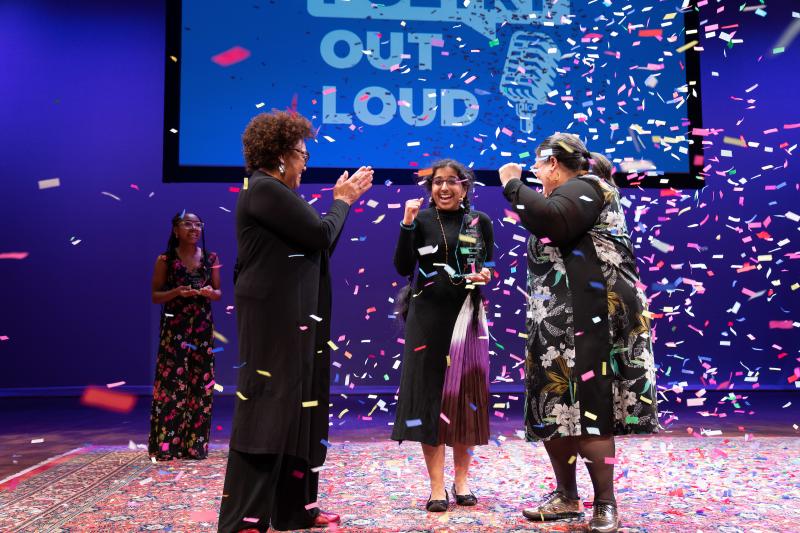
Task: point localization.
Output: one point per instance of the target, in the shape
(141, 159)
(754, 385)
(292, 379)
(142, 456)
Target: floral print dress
(180, 420)
(589, 365)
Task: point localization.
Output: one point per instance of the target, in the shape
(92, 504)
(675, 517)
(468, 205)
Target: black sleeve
(280, 210)
(562, 217)
(487, 231)
(405, 255)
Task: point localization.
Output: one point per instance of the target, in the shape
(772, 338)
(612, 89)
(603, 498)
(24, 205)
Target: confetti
(49, 183)
(103, 398)
(13, 255)
(231, 56)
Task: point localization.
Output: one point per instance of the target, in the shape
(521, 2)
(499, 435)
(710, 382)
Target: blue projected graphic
(400, 83)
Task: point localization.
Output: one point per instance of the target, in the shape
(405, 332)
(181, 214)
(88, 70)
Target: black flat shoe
(466, 500)
(438, 506)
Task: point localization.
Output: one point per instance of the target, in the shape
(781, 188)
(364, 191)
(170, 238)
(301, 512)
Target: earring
(281, 169)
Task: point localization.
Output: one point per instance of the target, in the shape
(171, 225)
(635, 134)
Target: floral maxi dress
(180, 420)
(589, 365)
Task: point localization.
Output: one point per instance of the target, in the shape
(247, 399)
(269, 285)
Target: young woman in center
(443, 395)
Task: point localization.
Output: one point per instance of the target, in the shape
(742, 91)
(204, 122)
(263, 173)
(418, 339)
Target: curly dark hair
(269, 136)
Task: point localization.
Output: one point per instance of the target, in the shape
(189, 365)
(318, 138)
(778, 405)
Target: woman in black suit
(283, 308)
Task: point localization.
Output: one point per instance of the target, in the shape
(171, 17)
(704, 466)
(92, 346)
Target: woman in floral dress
(185, 281)
(590, 373)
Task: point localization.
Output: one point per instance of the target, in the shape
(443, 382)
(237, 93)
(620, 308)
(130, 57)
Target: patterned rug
(665, 483)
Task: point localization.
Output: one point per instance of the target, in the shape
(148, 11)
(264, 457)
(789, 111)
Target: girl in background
(185, 282)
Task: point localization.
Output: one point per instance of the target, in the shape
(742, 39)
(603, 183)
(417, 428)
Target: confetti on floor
(664, 483)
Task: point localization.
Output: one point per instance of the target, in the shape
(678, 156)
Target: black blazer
(283, 307)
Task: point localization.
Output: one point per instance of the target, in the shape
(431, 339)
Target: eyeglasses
(451, 182)
(306, 155)
(537, 167)
(188, 224)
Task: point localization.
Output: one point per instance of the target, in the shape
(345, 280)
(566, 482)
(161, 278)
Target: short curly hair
(269, 136)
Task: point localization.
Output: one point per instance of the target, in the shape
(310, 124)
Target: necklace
(446, 249)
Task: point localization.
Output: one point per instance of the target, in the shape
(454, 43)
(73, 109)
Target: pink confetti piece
(651, 33)
(780, 324)
(231, 56)
(14, 255)
(586, 376)
(204, 516)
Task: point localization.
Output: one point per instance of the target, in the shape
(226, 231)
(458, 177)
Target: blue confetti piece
(489, 264)
(427, 275)
(191, 346)
(183, 213)
(597, 285)
(325, 443)
(239, 366)
(217, 350)
(473, 406)
(413, 423)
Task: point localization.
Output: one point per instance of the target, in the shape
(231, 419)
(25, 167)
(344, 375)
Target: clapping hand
(186, 291)
(207, 291)
(350, 188)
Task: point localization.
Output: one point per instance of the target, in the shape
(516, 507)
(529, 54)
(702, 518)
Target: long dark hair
(172, 244)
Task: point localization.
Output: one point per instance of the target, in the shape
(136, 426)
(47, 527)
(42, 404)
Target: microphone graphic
(528, 74)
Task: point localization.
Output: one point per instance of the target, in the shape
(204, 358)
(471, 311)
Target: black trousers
(270, 488)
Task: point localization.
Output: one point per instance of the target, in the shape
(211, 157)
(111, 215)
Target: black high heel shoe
(466, 500)
(438, 506)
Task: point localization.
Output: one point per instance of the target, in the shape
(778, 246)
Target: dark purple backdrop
(81, 99)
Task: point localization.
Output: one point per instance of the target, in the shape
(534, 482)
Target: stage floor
(735, 471)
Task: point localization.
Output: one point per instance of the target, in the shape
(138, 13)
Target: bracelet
(407, 227)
